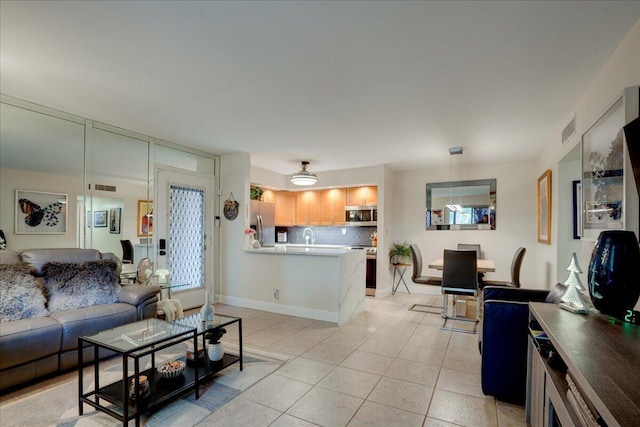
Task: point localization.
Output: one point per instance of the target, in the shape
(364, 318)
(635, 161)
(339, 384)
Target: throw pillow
(71, 286)
(20, 293)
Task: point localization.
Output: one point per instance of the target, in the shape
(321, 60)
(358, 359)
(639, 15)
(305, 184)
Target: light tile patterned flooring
(388, 367)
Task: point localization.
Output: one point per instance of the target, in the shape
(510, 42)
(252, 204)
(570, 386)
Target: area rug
(54, 402)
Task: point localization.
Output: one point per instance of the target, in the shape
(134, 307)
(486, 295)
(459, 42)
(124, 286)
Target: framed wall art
(100, 219)
(603, 170)
(114, 220)
(544, 207)
(577, 209)
(37, 212)
(145, 218)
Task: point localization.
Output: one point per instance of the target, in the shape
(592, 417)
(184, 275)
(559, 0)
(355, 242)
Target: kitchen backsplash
(360, 236)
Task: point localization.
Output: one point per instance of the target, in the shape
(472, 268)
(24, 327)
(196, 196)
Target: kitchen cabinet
(362, 196)
(268, 196)
(307, 208)
(333, 203)
(285, 202)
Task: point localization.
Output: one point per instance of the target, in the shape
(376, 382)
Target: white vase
(206, 312)
(215, 352)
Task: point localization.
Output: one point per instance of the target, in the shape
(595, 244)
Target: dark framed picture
(38, 212)
(544, 207)
(114, 220)
(577, 207)
(100, 219)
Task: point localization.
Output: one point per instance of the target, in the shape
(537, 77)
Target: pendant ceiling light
(303, 176)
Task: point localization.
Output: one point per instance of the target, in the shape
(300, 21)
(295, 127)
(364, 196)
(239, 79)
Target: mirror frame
(453, 184)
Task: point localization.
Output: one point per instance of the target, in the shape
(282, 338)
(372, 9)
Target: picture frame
(577, 209)
(99, 219)
(544, 207)
(115, 215)
(145, 218)
(603, 173)
(39, 212)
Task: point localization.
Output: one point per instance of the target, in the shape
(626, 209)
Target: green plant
(399, 252)
(215, 335)
(255, 193)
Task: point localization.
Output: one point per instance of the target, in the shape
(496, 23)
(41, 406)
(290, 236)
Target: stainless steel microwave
(361, 215)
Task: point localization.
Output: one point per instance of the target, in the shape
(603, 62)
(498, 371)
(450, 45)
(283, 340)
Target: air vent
(102, 187)
(569, 130)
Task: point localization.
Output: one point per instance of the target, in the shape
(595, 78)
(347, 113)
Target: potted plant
(214, 347)
(400, 253)
(255, 193)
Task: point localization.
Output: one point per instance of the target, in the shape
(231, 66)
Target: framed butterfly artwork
(38, 212)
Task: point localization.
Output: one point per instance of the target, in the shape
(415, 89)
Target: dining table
(484, 265)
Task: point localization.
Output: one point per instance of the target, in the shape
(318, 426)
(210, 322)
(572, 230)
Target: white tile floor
(388, 367)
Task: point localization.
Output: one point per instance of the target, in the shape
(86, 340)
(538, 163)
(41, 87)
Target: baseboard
(289, 310)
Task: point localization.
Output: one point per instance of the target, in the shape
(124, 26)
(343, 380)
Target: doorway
(183, 232)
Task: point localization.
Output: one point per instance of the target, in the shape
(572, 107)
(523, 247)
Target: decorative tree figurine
(573, 295)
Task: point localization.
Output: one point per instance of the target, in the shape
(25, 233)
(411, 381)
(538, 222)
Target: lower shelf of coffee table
(162, 389)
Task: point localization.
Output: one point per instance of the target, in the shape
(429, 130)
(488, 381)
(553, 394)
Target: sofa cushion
(20, 294)
(71, 286)
(9, 257)
(91, 320)
(25, 340)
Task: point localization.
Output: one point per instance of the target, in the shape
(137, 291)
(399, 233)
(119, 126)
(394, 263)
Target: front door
(183, 232)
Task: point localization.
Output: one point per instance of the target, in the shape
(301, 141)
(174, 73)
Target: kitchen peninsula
(319, 282)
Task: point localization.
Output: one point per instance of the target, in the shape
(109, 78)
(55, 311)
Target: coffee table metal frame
(162, 390)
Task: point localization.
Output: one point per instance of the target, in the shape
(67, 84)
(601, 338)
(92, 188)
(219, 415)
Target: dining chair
(516, 263)
(459, 277)
(471, 247)
(418, 278)
(127, 251)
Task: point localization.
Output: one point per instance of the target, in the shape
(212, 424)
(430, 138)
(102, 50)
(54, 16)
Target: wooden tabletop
(484, 265)
(602, 357)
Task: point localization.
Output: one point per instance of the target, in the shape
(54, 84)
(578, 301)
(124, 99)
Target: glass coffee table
(145, 338)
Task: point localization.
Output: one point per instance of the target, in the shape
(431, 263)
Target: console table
(600, 357)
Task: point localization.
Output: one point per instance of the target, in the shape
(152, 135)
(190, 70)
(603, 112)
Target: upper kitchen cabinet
(268, 196)
(333, 203)
(285, 203)
(308, 208)
(362, 196)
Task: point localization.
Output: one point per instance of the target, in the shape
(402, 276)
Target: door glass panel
(186, 235)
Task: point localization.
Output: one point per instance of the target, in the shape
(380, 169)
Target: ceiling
(340, 84)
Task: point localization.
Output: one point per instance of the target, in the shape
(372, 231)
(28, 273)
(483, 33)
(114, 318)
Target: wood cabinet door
(301, 208)
(269, 196)
(284, 208)
(362, 196)
(314, 207)
(333, 203)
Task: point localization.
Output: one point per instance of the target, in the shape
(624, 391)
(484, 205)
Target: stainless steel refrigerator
(263, 220)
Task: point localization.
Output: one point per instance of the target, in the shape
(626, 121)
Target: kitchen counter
(321, 282)
(293, 249)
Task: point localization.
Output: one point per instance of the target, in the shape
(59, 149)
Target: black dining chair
(127, 251)
(516, 263)
(459, 277)
(418, 278)
(471, 247)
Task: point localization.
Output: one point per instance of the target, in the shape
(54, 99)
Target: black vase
(614, 285)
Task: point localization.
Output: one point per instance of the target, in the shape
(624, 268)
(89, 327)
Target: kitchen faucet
(306, 238)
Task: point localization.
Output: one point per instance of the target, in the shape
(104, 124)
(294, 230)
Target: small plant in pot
(214, 347)
(400, 253)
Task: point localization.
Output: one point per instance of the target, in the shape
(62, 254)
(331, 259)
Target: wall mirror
(461, 205)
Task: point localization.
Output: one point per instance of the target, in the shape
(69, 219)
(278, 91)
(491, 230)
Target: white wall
(621, 70)
(515, 217)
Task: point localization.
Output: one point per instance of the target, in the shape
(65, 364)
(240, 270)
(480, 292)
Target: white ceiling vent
(569, 129)
(102, 187)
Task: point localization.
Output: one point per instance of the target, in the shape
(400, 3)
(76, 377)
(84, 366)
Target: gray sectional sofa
(50, 297)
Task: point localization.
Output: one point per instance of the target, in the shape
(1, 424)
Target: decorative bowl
(172, 369)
